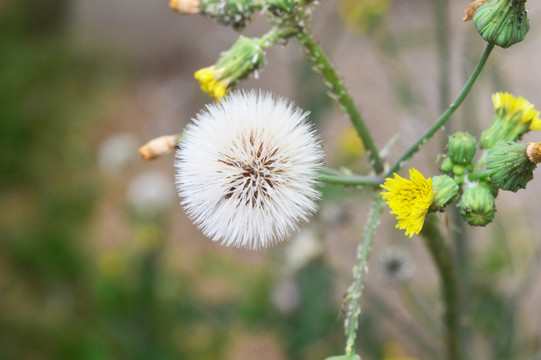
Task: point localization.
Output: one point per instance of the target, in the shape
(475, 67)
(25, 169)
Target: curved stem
(360, 270)
(443, 260)
(446, 114)
(276, 34)
(339, 93)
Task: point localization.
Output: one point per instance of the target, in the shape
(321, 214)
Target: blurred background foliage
(66, 295)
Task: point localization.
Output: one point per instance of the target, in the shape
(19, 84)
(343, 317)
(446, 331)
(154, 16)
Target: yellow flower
(409, 200)
(512, 105)
(210, 81)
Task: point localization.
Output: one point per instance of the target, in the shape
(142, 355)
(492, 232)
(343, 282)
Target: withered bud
(157, 147)
(185, 6)
(471, 8)
(534, 152)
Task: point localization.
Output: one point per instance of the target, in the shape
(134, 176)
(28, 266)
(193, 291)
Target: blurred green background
(95, 263)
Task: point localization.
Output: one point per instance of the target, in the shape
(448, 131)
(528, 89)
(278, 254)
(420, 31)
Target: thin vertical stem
(339, 93)
(360, 270)
(443, 260)
(446, 114)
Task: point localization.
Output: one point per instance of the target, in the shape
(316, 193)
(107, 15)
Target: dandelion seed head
(246, 170)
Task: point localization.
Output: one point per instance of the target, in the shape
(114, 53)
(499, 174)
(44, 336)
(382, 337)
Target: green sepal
(445, 191)
(244, 57)
(504, 128)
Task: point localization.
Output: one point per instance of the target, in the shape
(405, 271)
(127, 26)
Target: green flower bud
(447, 165)
(509, 166)
(458, 170)
(502, 22)
(477, 206)
(461, 148)
(445, 191)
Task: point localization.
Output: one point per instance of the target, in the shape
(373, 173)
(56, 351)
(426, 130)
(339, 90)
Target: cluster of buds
(244, 57)
(477, 199)
(461, 150)
(509, 164)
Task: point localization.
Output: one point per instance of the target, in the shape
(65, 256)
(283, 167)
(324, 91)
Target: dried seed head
(247, 170)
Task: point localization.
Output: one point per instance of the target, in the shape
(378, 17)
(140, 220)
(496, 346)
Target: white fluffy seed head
(247, 170)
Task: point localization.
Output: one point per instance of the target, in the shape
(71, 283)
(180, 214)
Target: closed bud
(447, 165)
(509, 166)
(502, 22)
(462, 147)
(445, 191)
(477, 206)
(458, 170)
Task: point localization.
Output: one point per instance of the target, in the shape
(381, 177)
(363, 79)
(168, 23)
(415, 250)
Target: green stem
(477, 175)
(443, 260)
(276, 34)
(339, 93)
(359, 273)
(355, 180)
(446, 114)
